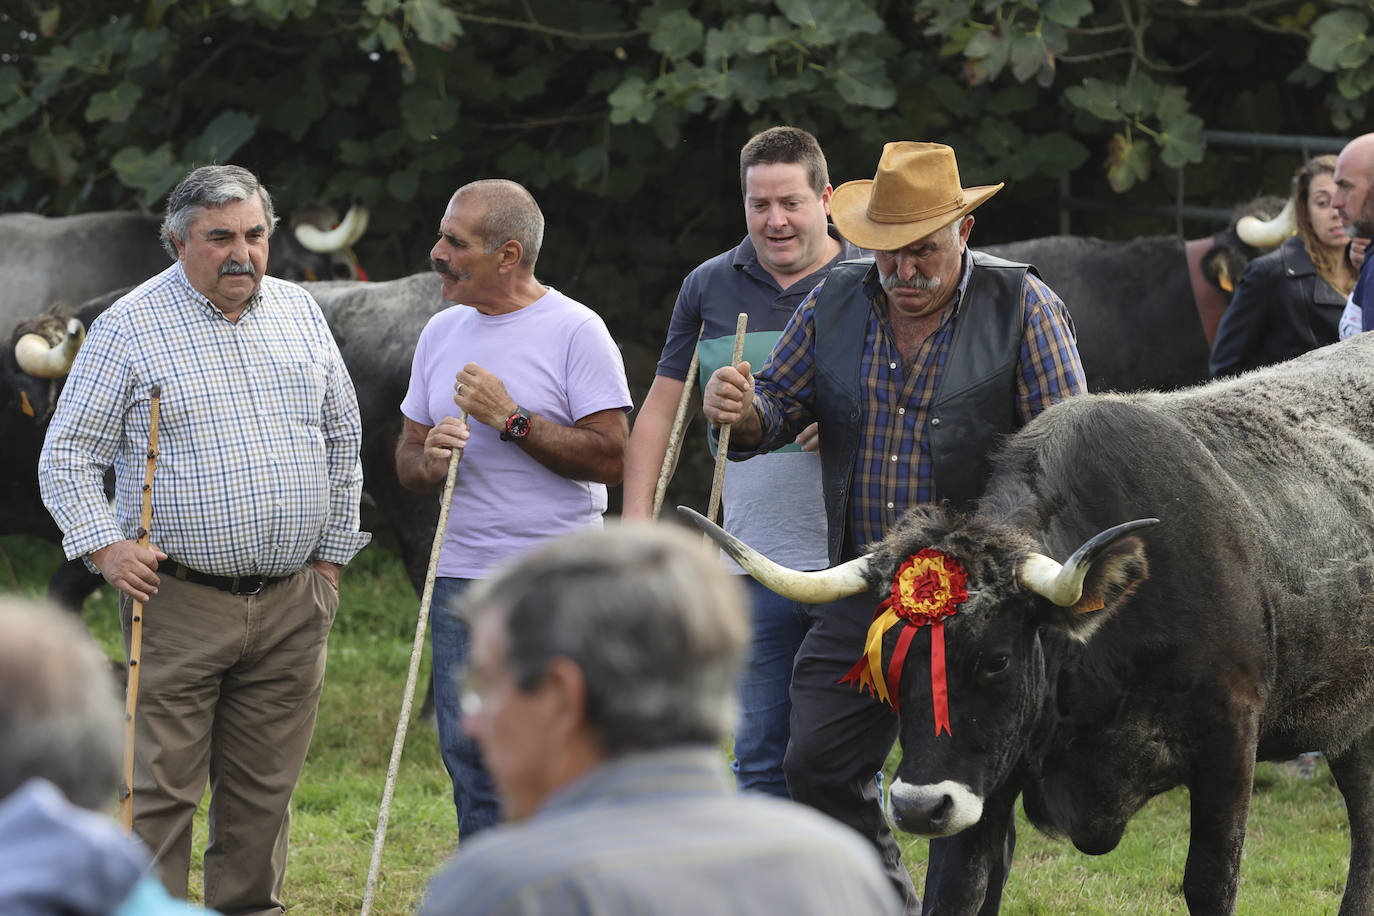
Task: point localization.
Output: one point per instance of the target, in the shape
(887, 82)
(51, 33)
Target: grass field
(1295, 851)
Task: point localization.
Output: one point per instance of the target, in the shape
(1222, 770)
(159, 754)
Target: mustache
(918, 282)
(442, 269)
(232, 268)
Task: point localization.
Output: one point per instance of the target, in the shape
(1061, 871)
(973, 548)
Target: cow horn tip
(1267, 233)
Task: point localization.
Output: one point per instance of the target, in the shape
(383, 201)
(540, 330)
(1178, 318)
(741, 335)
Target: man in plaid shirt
(914, 363)
(255, 509)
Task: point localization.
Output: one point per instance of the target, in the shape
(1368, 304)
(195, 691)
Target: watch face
(517, 426)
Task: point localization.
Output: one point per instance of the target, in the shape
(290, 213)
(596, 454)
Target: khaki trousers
(228, 690)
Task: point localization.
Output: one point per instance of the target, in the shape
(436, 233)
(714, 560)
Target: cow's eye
(992, 666)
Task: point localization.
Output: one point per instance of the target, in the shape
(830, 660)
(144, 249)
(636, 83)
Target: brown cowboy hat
(915, 192)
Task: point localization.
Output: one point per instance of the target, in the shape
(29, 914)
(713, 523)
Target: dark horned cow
(1132, 305)
(1240, 627)
(1146, 310)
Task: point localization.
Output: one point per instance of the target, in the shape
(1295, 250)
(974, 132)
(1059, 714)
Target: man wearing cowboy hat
(914, 363)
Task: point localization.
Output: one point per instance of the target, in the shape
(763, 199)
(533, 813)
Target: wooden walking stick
(723, 444)
(375, 867)
(145, 522)
(675, 436)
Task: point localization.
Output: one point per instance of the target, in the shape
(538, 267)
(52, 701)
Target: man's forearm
(411, 468)
(584, 452)
(747, 431)
(648, 448)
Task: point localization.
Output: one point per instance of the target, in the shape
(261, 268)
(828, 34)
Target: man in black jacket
(914, 362)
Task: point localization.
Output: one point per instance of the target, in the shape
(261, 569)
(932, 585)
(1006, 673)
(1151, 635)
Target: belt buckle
(234, 588)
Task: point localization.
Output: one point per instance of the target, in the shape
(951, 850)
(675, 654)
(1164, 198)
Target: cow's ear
(1110, 582)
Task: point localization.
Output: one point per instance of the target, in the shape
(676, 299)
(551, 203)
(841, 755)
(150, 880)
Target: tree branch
(1175, 68)
(542, 29)
(1243, 12)
(1097, 30)
(1095, 55)
(551, 121)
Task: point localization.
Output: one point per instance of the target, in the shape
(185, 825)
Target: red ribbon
(939, 691)
(894, 667)
(928, 587)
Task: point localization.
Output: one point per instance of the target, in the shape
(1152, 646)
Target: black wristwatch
(517, 425)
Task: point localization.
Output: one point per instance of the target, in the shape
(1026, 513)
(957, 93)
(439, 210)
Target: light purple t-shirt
(557, 360)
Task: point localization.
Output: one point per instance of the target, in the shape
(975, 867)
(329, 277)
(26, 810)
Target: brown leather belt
(234, 585)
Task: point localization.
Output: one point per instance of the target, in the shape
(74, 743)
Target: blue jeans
(779, 624)
(473, 793)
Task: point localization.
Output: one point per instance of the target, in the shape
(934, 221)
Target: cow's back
(1263, 562)
(1132, 307)
(69, 259)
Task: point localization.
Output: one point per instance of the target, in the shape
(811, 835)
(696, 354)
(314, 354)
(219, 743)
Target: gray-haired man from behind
(61, 739)
(602, 681)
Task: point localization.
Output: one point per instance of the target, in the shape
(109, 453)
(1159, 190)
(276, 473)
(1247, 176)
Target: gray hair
(60, 715)
(210, 186)
(657, 628)
(511, 214)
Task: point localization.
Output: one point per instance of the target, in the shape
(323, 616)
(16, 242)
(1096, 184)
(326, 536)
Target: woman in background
(1290, 300)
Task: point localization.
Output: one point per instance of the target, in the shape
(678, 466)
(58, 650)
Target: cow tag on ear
(1091, 601)
(1114, 576)
(1111, 579)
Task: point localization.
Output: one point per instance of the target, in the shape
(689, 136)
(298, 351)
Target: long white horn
(41, 360)
(1267, 233)
(359, 224)
(816, 587)
(349, 230)
(1064, 584)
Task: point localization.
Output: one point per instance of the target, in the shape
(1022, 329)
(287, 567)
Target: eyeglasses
(474, 693)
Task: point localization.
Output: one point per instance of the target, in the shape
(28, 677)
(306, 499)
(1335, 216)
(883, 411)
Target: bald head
(1354, 178)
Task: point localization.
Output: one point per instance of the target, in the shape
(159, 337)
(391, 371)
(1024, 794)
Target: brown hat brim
(849, 211)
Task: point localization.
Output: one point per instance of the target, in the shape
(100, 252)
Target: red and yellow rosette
(927, 588)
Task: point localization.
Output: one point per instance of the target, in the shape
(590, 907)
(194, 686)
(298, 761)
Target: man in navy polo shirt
(774, 504)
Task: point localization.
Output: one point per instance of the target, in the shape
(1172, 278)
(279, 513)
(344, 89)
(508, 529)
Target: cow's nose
(926, 814)
(936, 810)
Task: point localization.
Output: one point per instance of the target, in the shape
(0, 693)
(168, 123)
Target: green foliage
(623, 115)
(1342, 45)
(1118, 46)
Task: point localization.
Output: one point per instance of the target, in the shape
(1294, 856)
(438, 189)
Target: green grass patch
(1296, 847)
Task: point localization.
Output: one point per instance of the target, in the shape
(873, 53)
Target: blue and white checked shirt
(258, 434)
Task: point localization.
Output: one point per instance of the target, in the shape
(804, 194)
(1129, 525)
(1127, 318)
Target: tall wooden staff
(675, 435)
(375, 867)
(723, 444)
(145, 522)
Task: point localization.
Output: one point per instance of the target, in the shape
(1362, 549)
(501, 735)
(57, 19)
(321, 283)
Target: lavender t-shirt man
(557, 360)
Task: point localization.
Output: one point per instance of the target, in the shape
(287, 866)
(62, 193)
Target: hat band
(910, 216)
